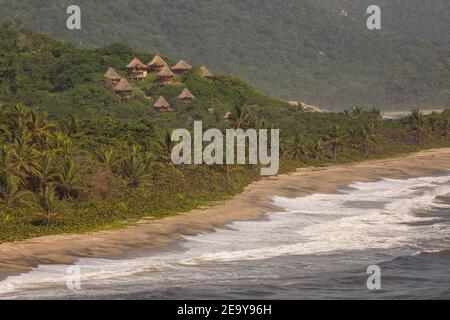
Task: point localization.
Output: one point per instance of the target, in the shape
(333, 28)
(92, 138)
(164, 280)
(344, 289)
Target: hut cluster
(137, 70)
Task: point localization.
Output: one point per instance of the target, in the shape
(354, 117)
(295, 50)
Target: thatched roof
(111, 74)
(123, 85)
(161, 103)
(165, 72)
(186, 95)
(182, 66)
(157, 61)
(136, 63)
(206, 73)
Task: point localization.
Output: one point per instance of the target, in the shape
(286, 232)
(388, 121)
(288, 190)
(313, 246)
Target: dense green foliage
(92, 162)
(293, 49)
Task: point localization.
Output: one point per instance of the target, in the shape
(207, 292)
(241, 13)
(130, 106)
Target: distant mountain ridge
(292, 49)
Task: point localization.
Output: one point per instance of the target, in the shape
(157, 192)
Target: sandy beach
(251, 204)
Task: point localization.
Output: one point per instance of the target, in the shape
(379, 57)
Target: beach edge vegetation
(74, 158)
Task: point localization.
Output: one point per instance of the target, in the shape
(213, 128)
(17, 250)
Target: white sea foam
(364, 216)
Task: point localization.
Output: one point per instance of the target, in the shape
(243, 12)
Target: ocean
(319, 247)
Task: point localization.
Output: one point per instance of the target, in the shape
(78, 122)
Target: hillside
(408, 18)
(91, 162)
(296, 50)
(38, 71)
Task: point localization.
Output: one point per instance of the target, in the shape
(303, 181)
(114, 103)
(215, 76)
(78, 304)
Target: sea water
(319, 247)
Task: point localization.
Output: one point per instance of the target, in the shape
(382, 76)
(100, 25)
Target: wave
(362, 217)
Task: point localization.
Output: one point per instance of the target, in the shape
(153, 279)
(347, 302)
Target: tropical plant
(10, 191)
(240, 116)
(71, 125)
(46, 206)
(67, 178)
(336, 141)
(368, 137)
(38, 127)
(298, 147)
(134, 168)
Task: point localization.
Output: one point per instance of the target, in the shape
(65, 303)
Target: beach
(252, 204)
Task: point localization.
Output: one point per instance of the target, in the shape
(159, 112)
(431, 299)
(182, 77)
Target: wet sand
(21, 256)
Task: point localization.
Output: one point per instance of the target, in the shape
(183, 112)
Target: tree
(368, 137)
(135, 168)
(10, 192)
(38, 127)
(417, 125)
(298, 147)
(45, 171)
(108, 158)
(71, 125)
(46, 207)
(336, 141)
(317, 149)
(67, 178)
(240, 116)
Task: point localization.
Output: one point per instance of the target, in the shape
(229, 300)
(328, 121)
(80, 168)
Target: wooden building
(137, 70)
(156, 64)
(206, 73)
(181, 67)
(113, 76)
(123, 90)
(186, 96)
(165, 76)
(161, 105)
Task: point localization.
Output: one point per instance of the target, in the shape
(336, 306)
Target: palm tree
(23, 157)
(6, 162)
(368, 137)
(446, 130)
(298, 148)
(46, 174)
(62, 144)
(10, 191)
(336, 141)
(67, 178)
(166, 144)
(417, 125)
(38, 127)
(317, 149)
(71, 126)
(135, 168)
(47, 206)
(240, 116)
(108, 158)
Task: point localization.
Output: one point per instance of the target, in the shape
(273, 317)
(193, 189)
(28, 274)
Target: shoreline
(253, 203)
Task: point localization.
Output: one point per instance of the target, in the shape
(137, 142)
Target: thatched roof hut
(182, 66)
(165, 73)
(206, 73)
(186, 95)
(113, 76)
(161, 105)
(123, 86)
(136, 64)
(156, 64)
(136, 69)
(123, 90)
(164, 76)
